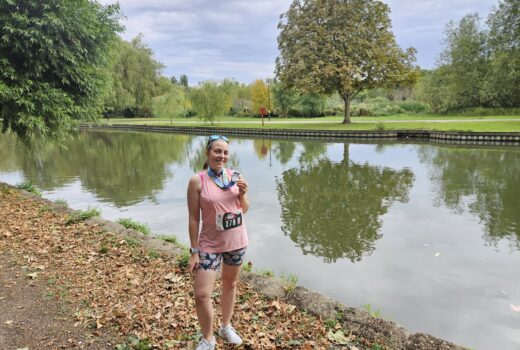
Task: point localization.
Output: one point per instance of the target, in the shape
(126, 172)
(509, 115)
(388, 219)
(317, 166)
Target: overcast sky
(217, 39)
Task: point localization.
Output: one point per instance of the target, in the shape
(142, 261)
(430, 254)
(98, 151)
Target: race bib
(227, 221)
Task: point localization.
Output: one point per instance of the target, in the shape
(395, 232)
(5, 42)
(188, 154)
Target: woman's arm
(194, 217)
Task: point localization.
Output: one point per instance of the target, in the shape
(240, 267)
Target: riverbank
(399, 122)
(478, 138)
(110, 283)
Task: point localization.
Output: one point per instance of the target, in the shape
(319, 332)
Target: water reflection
(334, 210)
(482, 181)
(283, 150)
(119, 167)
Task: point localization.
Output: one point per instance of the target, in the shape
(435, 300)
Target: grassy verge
(400, 122)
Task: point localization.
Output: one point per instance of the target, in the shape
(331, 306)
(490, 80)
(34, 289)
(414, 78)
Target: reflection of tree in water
(8, 152)
(262, 147)
(483, 181)
(312, 151)
(283, 150)
(120, 167)
(334, 210)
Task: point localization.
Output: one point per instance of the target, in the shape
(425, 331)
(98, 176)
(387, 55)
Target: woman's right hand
(193, 262)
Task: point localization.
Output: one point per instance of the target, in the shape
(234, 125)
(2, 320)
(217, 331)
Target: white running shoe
(206, 345)
(230, 335)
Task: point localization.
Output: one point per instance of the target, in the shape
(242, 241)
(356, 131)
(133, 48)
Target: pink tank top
(223, 227)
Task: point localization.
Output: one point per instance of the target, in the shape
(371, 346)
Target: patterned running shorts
(212, 261)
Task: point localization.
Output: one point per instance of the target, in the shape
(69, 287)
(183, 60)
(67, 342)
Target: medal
(223, 183)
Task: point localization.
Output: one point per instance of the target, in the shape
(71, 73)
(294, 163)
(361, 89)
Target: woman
(218, 196)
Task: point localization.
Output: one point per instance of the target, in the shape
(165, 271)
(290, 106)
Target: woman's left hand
(242, 187)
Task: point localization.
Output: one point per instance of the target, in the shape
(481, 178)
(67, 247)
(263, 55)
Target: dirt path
(33, 318)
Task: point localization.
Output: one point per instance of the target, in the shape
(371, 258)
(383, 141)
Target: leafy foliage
(479, 67)
(135, 79)
(259, 96)
(343, 46)
(53, 59)
(209, 101)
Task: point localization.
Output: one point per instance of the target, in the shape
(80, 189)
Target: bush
(482, 111)
(413, 106)
(378, 106)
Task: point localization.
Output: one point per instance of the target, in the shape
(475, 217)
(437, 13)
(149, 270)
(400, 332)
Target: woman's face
(218, 154)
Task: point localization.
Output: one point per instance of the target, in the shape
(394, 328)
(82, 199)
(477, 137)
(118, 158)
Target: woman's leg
(204, 281)
(229, 283)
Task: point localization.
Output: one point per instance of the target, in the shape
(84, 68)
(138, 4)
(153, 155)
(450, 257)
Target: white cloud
(208, 39)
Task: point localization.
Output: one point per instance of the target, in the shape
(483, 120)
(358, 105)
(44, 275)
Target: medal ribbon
(225, 183)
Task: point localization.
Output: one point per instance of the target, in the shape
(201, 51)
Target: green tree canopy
(457, 82)
(341, 46)
(135, 79)
(502, 86)
(53, 58)
(183, 80)
(209, 101)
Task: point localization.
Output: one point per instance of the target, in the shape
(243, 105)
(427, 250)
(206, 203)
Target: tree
(209, 101)
(172, 104)
(259, 96)
(502, 85)
(183, 80)
(53, 59)
(465, 58)
(135, 78)
(342, 46)
(283, 98)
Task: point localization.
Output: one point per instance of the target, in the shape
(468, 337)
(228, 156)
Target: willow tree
(209, 101)
(53, 59)
(342, 46)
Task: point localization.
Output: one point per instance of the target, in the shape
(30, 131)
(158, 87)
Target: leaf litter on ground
(119, 288)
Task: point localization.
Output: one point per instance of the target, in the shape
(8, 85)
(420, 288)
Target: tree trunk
(346, 119)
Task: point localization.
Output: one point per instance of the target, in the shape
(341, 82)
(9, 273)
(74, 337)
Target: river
(426, 235)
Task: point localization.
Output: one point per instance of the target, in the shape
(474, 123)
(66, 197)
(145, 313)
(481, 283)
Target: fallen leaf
(338, 337)
(32, 275)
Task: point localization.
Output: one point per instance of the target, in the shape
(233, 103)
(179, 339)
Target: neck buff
(225, 183)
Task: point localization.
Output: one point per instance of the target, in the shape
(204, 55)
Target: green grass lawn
(401, 122)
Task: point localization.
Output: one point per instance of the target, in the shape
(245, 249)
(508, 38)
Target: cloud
(208, 39)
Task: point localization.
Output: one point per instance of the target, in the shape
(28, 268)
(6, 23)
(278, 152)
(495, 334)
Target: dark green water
(427, 234)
